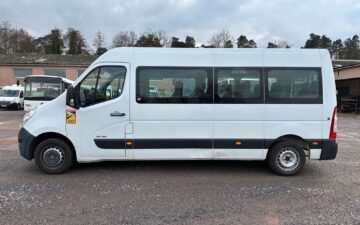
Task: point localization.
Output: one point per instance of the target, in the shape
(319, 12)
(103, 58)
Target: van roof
(51, 76)
(246, 57)
(13, 87)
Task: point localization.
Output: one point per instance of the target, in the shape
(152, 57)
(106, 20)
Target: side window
(173, 85)
(102, 84)
(296, 86)
(21, 94)
(238, 85)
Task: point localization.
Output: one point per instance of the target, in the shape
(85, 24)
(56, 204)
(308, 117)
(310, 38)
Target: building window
(55, 72)
(22, 72)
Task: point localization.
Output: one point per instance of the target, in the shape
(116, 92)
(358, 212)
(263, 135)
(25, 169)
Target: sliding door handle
(116, 113)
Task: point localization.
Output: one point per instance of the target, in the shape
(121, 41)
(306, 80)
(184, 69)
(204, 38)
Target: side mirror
(71, 97)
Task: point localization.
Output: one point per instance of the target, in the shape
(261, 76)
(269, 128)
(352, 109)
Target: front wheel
(287, 158)
(53, 156)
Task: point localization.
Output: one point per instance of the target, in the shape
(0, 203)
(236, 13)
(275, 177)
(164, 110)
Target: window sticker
(70, 116)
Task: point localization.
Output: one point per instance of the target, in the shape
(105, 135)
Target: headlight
(29, 114)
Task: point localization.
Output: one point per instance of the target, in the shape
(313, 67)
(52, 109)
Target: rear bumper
(329, 150)
(25, 140)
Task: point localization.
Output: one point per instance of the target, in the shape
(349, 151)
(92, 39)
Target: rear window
(296, 86)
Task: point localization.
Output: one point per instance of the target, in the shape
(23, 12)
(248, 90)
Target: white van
(12, 97)
(277, 105)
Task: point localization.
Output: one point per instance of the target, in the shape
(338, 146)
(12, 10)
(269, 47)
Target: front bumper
(329, 150)
(25, 141)
(8, 106)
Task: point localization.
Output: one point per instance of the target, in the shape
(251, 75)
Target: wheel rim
(53, 156)
(288, 159)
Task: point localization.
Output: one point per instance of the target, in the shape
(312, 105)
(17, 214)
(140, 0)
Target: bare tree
(223, 39)
(15, 40)
(165, 41)
(125, 39)
(99, 40)
(99, 43)
(21, 41)
(5, 33)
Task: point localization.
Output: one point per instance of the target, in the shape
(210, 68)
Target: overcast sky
(262, 20)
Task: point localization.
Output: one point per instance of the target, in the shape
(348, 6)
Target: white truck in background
(12, 97)
(40, 89)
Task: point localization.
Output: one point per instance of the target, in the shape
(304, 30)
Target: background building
(16, 66)
(347, 78)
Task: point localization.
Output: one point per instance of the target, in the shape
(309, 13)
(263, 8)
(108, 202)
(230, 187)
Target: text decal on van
(70, 116)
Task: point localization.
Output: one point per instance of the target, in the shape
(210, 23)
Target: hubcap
(288, 159)
(53, 156)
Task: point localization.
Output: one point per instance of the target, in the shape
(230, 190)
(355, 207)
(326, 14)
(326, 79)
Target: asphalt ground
(183, 192)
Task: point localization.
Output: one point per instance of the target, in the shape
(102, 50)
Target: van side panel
(303, 120)
(156, 124)
(238, 121)
(329, 92)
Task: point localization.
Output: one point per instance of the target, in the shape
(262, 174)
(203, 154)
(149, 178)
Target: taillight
(333, 127)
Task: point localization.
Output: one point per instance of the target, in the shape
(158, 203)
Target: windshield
(46, 89)
(9, 93)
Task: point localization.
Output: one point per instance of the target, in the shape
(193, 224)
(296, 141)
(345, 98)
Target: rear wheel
(53, 156)
(287, 158)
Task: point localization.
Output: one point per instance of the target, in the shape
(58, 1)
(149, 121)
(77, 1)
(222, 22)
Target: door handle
(116, 113)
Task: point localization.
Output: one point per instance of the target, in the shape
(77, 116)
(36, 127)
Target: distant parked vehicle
(12, 97)
(40, 89)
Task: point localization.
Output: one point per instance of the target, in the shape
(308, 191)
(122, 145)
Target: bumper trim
(329, 150)
(25, 140)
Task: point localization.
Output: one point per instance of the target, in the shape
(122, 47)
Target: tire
(53, 156)
(18, 106)
(287, 158)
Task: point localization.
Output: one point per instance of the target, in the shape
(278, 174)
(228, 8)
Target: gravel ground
(198, 192)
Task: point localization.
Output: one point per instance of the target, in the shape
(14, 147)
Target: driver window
(102, 84)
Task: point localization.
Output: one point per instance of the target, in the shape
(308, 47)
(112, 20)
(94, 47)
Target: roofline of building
(347, 67)
(45, 65)
(354, 78)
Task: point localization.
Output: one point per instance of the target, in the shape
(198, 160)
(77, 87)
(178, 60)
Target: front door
(99, 125)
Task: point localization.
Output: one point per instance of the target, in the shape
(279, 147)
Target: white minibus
(40, 89)
(12, 97)
(277, 105)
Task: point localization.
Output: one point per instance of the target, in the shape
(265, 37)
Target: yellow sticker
(70, 116)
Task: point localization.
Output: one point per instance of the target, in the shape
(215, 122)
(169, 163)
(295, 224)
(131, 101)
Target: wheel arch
(49, 135)
(288, 137)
